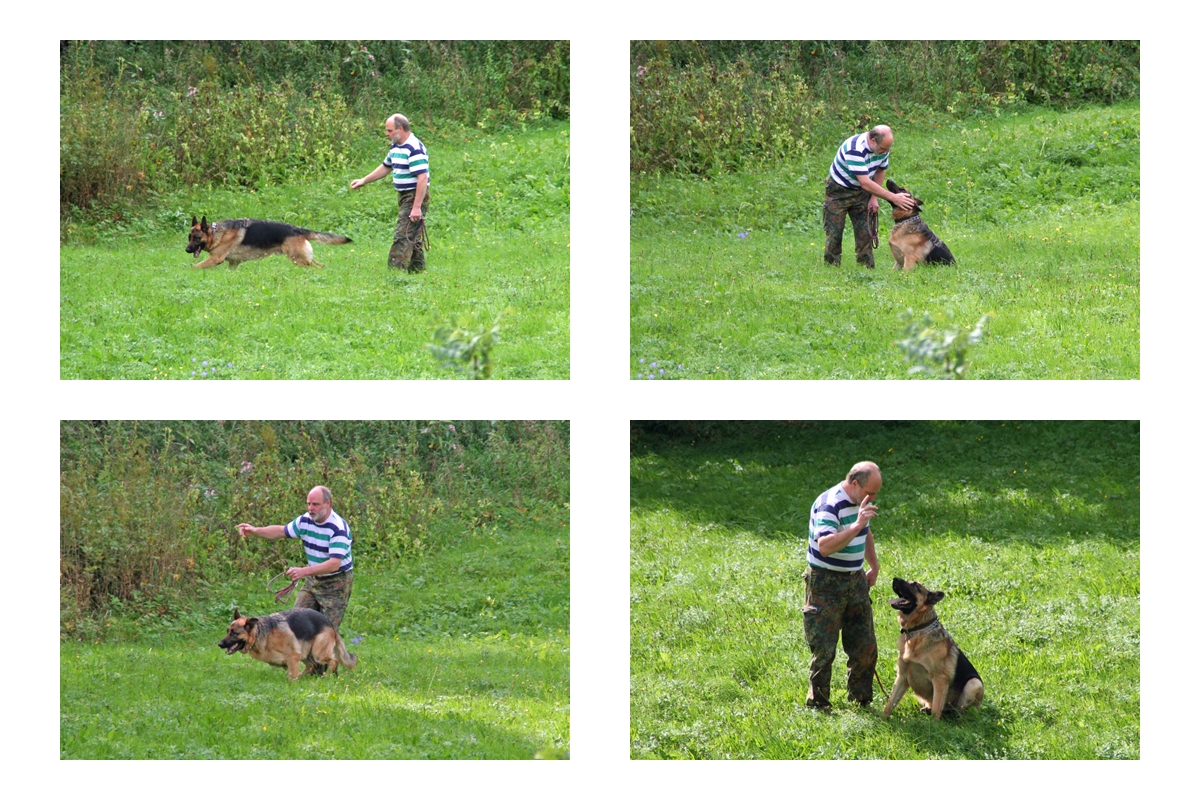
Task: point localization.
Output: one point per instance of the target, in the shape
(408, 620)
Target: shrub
(709, 120)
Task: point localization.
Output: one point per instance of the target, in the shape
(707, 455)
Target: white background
(599, 400)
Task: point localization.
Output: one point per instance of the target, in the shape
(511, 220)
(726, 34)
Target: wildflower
(743, 234)
(452, 429)
(246, 467)
(192, 90)
(453, 447)
(356, 640)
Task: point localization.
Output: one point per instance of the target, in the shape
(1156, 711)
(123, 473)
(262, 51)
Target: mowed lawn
(1041, 210)
(1031, 530)
(132, 307)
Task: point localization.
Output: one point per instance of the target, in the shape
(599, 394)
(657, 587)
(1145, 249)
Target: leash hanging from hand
(873, 226)
(282, 593)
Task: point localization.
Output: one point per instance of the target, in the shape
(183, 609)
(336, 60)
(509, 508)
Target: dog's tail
(327, 238)
(344, 656)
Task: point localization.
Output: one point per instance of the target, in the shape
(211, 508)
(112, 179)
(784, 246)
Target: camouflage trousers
(408, 247)
(330, 595)
(839, 602)
(840, 201)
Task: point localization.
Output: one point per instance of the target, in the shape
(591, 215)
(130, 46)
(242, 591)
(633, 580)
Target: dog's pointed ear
(193, 220)
(235, 613)
(204, 223)
(934, 597)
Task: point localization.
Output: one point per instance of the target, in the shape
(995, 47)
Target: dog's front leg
(941, 685)
(211, 261)
(898, 690)
(293, 666)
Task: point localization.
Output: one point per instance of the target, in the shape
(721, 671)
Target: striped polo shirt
(322, 541)
(407, 161)
(853, 159)
(834, 511)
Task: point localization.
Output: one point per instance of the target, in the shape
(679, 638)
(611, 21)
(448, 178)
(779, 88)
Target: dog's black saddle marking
(267, 234)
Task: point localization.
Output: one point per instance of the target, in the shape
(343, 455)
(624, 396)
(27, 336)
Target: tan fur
(927, 660)
(224, 241)
(270, 639)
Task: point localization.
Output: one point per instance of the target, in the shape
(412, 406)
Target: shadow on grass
(1036, 482)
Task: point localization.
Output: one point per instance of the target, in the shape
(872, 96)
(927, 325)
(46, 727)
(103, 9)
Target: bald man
(326, 537)
(857, 179)
(837, 595)
(408, 163)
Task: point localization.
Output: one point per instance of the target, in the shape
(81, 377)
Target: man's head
(320, 503)
(880, 138)
(397, 128)
(863, 480)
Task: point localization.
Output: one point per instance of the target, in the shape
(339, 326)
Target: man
(326, 537)
(409, 164)
(856, 181)
(837, 593)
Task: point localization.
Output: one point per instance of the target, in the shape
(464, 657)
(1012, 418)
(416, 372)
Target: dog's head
(912, 598)
(895, 188)
(200, 236)
(240, 634)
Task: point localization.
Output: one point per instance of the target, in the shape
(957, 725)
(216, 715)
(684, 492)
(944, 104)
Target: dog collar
(909, 632)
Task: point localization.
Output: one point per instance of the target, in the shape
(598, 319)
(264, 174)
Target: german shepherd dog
(911, 240)
(238, 240)
(930, 663)
(286, 638)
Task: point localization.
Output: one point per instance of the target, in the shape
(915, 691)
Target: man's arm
(834, 542)
(872, 561)
(904, 201)
(419, 195)
(266, 532)
(375, 175)
(325, 567)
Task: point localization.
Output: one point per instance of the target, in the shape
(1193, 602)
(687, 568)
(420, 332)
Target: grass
(464, 655)
(1030, 528)
(131, 307)
(1040, 208)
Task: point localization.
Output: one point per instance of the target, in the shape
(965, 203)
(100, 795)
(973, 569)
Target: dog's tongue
(196, 254)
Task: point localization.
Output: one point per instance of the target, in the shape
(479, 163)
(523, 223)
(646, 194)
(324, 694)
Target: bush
(149, 509)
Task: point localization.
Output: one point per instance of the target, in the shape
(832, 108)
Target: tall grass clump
(148, 509)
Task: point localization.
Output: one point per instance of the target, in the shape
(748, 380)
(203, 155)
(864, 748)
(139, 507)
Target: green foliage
(499, 224)
(465, 346)
(149, 509)
(138, 118)
(852, 84)
(936, 349)
(1031, 529)
(710, 120)
(464, 653)
(1040, 208)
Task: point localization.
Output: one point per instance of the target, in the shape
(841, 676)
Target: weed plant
(1031, 529)
(1040, 207)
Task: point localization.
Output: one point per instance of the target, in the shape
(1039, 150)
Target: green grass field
(464, 654)
(1030, 528)
(132, 307)
(1040, 208)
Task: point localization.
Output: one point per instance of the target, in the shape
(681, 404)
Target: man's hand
(872, 576)
(866, 512)
(873, 205)
(904, 201)
(357, 182)
(245, 529)
(295, 573)
(415, 214)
